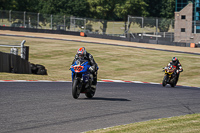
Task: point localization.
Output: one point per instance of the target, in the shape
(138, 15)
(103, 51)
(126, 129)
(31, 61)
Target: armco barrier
(14, 63)
(41, 30)
(106, 37)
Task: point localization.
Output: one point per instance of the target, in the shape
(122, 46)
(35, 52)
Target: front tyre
(164, 82)
(76, 88)
(174, 81)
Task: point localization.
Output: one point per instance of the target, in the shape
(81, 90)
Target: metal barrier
(24, 49)
(12, 62)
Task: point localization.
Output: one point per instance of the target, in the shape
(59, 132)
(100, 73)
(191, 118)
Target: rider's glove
(70, 67)
(91, 69)
(177, 71)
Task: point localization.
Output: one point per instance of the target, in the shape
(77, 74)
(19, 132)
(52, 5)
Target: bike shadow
(107, 99)
(183, 87)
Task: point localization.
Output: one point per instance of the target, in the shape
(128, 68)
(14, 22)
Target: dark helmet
(81, 52)
(174, 59)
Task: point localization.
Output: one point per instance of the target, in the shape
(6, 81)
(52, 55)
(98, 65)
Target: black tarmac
(48, 107)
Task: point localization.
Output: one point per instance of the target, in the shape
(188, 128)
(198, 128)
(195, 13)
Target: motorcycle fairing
(80, 69)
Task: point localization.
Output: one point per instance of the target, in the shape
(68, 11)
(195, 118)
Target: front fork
(75, 77)
(170, 77)
(87, 84)
(167, 77)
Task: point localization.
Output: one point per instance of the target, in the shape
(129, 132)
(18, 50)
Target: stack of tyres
(38, 69)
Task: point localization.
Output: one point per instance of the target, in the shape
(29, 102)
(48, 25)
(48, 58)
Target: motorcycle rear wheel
(164, 82)
(90, 93)
(75, 89)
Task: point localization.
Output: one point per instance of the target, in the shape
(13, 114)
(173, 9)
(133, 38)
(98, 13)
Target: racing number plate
(78, 68)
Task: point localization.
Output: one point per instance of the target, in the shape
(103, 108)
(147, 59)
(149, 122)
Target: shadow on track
(106, 99)
(183, 87)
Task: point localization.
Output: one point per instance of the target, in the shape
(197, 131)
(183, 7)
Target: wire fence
(151, 28)
(137, 27)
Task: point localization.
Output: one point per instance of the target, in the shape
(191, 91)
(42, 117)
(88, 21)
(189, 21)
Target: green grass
(119, 63)
(180, 124)
(115, 62)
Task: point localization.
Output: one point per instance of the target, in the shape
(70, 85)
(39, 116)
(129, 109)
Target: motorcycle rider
(175, 62)
(83, 54)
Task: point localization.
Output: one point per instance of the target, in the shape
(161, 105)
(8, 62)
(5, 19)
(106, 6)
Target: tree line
(98, 9)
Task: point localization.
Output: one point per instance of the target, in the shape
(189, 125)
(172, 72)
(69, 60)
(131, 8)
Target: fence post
(156, 29)
(51, 23)
(113, 29)
(64, 23)
(74, 23)
(22, 49)
(99, 26)
(38, 19)
(142, 26)
(10, 17)
(84, 25)
(171, 30)
(24, 18)
(1, 16)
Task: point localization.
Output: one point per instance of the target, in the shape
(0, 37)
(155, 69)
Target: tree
(61, 8)
(19, 5)
(168, 9)
(27, 5)
(131, 7)
(8, 4)
(167, 13)
(103, 9)
(154, 7)
(79, 8)
(4, 4)
(161, 8)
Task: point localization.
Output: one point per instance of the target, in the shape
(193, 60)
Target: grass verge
(115, 62)
(180, 124)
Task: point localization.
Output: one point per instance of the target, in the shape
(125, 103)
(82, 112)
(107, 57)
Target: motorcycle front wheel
(164, 82)
(174, 81)
(76, 88)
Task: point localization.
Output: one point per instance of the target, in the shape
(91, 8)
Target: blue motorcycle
(82, 79)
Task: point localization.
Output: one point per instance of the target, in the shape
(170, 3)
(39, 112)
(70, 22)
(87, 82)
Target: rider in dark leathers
(83, 54)
(175, 62)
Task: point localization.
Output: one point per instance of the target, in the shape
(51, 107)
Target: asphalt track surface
(48, 107)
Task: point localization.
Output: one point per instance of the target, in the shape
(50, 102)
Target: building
(187, 21)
